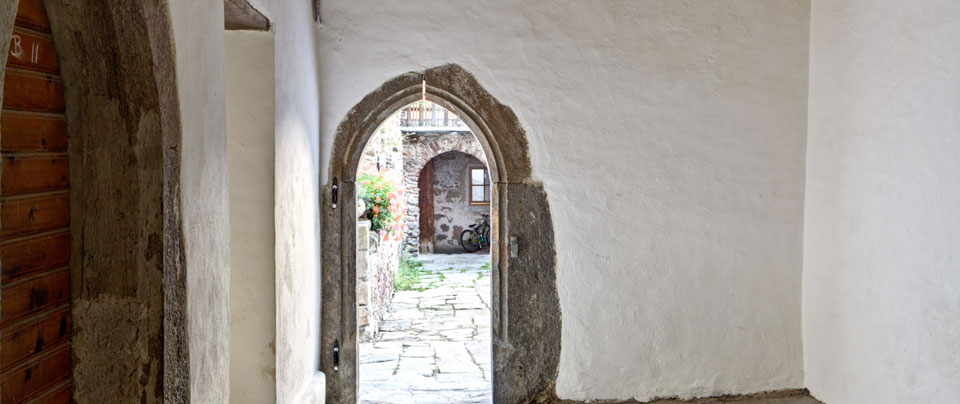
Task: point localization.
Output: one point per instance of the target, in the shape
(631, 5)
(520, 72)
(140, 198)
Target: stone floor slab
(434, 344)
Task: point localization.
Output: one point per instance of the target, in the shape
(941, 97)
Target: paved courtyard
(434, 345)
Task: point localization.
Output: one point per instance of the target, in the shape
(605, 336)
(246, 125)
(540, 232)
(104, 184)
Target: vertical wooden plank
(31, 14)
(34, 219)
(425, 202)
(59, 394)
(22, 341)
(24, 382)
(32, 132)
(33, 51)
(30, 297)
(33, 173)
(31, 91)
(22, 216)
(28, 256)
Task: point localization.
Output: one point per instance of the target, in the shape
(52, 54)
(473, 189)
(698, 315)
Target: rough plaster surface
(203, 194)
(297, 148)
(296, 195)
(250, 161)
(525, 306)
(452, 211)
(692, 286)
(127, 264)
(881, 288)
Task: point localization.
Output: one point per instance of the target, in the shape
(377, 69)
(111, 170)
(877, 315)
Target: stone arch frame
(127, 264)
(526, 308)
(412, 167)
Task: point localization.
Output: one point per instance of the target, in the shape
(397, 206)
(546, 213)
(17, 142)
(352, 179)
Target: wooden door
(425, 202)
(35, 361)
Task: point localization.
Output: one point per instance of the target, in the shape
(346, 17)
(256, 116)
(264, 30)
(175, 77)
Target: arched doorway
(526, 312)
(417, 163)
(125, 284)
(442, 218)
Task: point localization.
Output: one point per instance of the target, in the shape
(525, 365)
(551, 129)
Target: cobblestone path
(434, 346)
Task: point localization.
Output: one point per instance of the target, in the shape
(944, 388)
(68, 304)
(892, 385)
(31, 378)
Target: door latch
(336, 355)
(336, 188)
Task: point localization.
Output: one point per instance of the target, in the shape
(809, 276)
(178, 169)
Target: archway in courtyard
(453, 193)
(420, 150)
(524, 304)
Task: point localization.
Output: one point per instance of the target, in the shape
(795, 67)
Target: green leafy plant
(408, 273)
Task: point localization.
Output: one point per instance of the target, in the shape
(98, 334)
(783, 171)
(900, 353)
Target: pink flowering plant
(382, 202)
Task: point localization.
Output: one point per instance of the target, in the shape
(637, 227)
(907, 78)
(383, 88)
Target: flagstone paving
(434, 345)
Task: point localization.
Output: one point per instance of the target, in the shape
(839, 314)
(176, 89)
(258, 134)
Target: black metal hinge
(336, 355)
(336, 189)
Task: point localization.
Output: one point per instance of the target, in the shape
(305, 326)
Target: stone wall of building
(378, 253)
(377, 260)
(418, 149)
(452, 211)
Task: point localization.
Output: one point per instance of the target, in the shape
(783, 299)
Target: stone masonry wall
(418, 149)
(452, 211)
(377, 261)
(378, 254)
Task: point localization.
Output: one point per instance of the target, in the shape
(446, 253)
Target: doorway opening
(423, 261)
(524, 306)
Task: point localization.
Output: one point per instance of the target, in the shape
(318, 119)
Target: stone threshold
(788, 396)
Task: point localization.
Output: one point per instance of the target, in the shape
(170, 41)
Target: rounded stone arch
(128, 280)
(525, 304)
(414, 204)
(416, 156)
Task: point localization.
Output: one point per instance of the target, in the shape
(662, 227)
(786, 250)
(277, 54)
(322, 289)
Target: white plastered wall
(198, 36)
(670, 138)
(250, 160)
(687, 268)
(198, 41)
(296, 197)
(881, 281)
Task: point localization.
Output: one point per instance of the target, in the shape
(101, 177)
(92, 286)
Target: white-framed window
(479, 186)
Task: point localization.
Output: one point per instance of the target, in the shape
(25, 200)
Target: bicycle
(477, 236)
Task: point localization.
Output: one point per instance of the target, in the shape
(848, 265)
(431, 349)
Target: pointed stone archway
(526, 308)
(129, 340)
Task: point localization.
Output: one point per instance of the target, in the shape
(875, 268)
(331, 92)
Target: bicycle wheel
(486, 236)
(470, 241)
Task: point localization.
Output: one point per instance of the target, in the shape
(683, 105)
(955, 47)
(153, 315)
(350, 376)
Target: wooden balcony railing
(425, 115)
